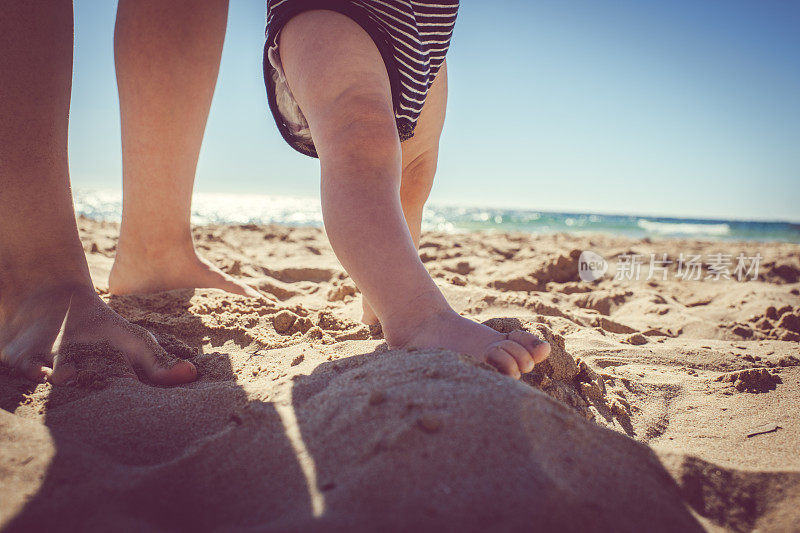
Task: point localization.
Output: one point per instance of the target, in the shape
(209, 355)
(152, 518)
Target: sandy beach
(666, 405)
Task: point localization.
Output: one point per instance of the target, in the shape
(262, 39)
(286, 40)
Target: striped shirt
(413, 37)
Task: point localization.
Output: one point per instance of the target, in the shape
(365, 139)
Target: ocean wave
(683, 228)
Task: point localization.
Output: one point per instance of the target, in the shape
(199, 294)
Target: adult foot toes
(78, 331)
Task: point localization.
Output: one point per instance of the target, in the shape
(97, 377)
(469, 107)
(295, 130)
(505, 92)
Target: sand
(665, 406)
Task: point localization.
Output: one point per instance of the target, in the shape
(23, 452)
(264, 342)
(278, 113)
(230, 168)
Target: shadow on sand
(385, 439)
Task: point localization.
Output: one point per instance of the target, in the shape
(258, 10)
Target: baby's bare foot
(512, 354)
(368, 316)
(30, 325)
(137, 273)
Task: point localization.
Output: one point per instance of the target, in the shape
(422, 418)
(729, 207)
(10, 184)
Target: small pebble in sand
(297, 360)
(429, 423)
(636, 339)
(790, 322)
(458, 281)
(284, 321)
(377, 397)
(315, 333)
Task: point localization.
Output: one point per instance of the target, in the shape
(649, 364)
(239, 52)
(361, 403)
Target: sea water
(212, 208)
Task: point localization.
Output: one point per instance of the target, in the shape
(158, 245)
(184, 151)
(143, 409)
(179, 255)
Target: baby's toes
(503, 360)
(520, 354)
(537, 348)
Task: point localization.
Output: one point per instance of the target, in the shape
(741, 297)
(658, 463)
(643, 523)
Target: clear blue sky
(687, 108)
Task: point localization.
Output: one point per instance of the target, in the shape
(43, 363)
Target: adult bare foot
(166, 82)
(512, 354)
(46, 296)
(40, 331)
(172, 268)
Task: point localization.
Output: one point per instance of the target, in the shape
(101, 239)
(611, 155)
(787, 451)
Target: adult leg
(420, 155)
(340, 82)
(167, 58)
(45, 287)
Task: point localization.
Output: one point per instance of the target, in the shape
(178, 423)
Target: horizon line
(473, 204)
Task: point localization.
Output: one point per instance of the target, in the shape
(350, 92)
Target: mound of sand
(395, 440)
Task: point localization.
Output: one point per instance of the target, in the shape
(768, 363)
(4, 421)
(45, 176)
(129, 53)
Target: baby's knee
(362, 131)
(418, 178)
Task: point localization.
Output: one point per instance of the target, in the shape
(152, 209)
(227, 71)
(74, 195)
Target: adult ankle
(25, 272)
(14, 293)
(135, 247)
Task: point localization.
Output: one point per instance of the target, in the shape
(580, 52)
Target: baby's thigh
(338, 77)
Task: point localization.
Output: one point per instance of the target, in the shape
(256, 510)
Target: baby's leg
(339, 80)
(420, 155)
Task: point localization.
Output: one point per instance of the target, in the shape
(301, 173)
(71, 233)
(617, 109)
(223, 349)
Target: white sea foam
(684, 228)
